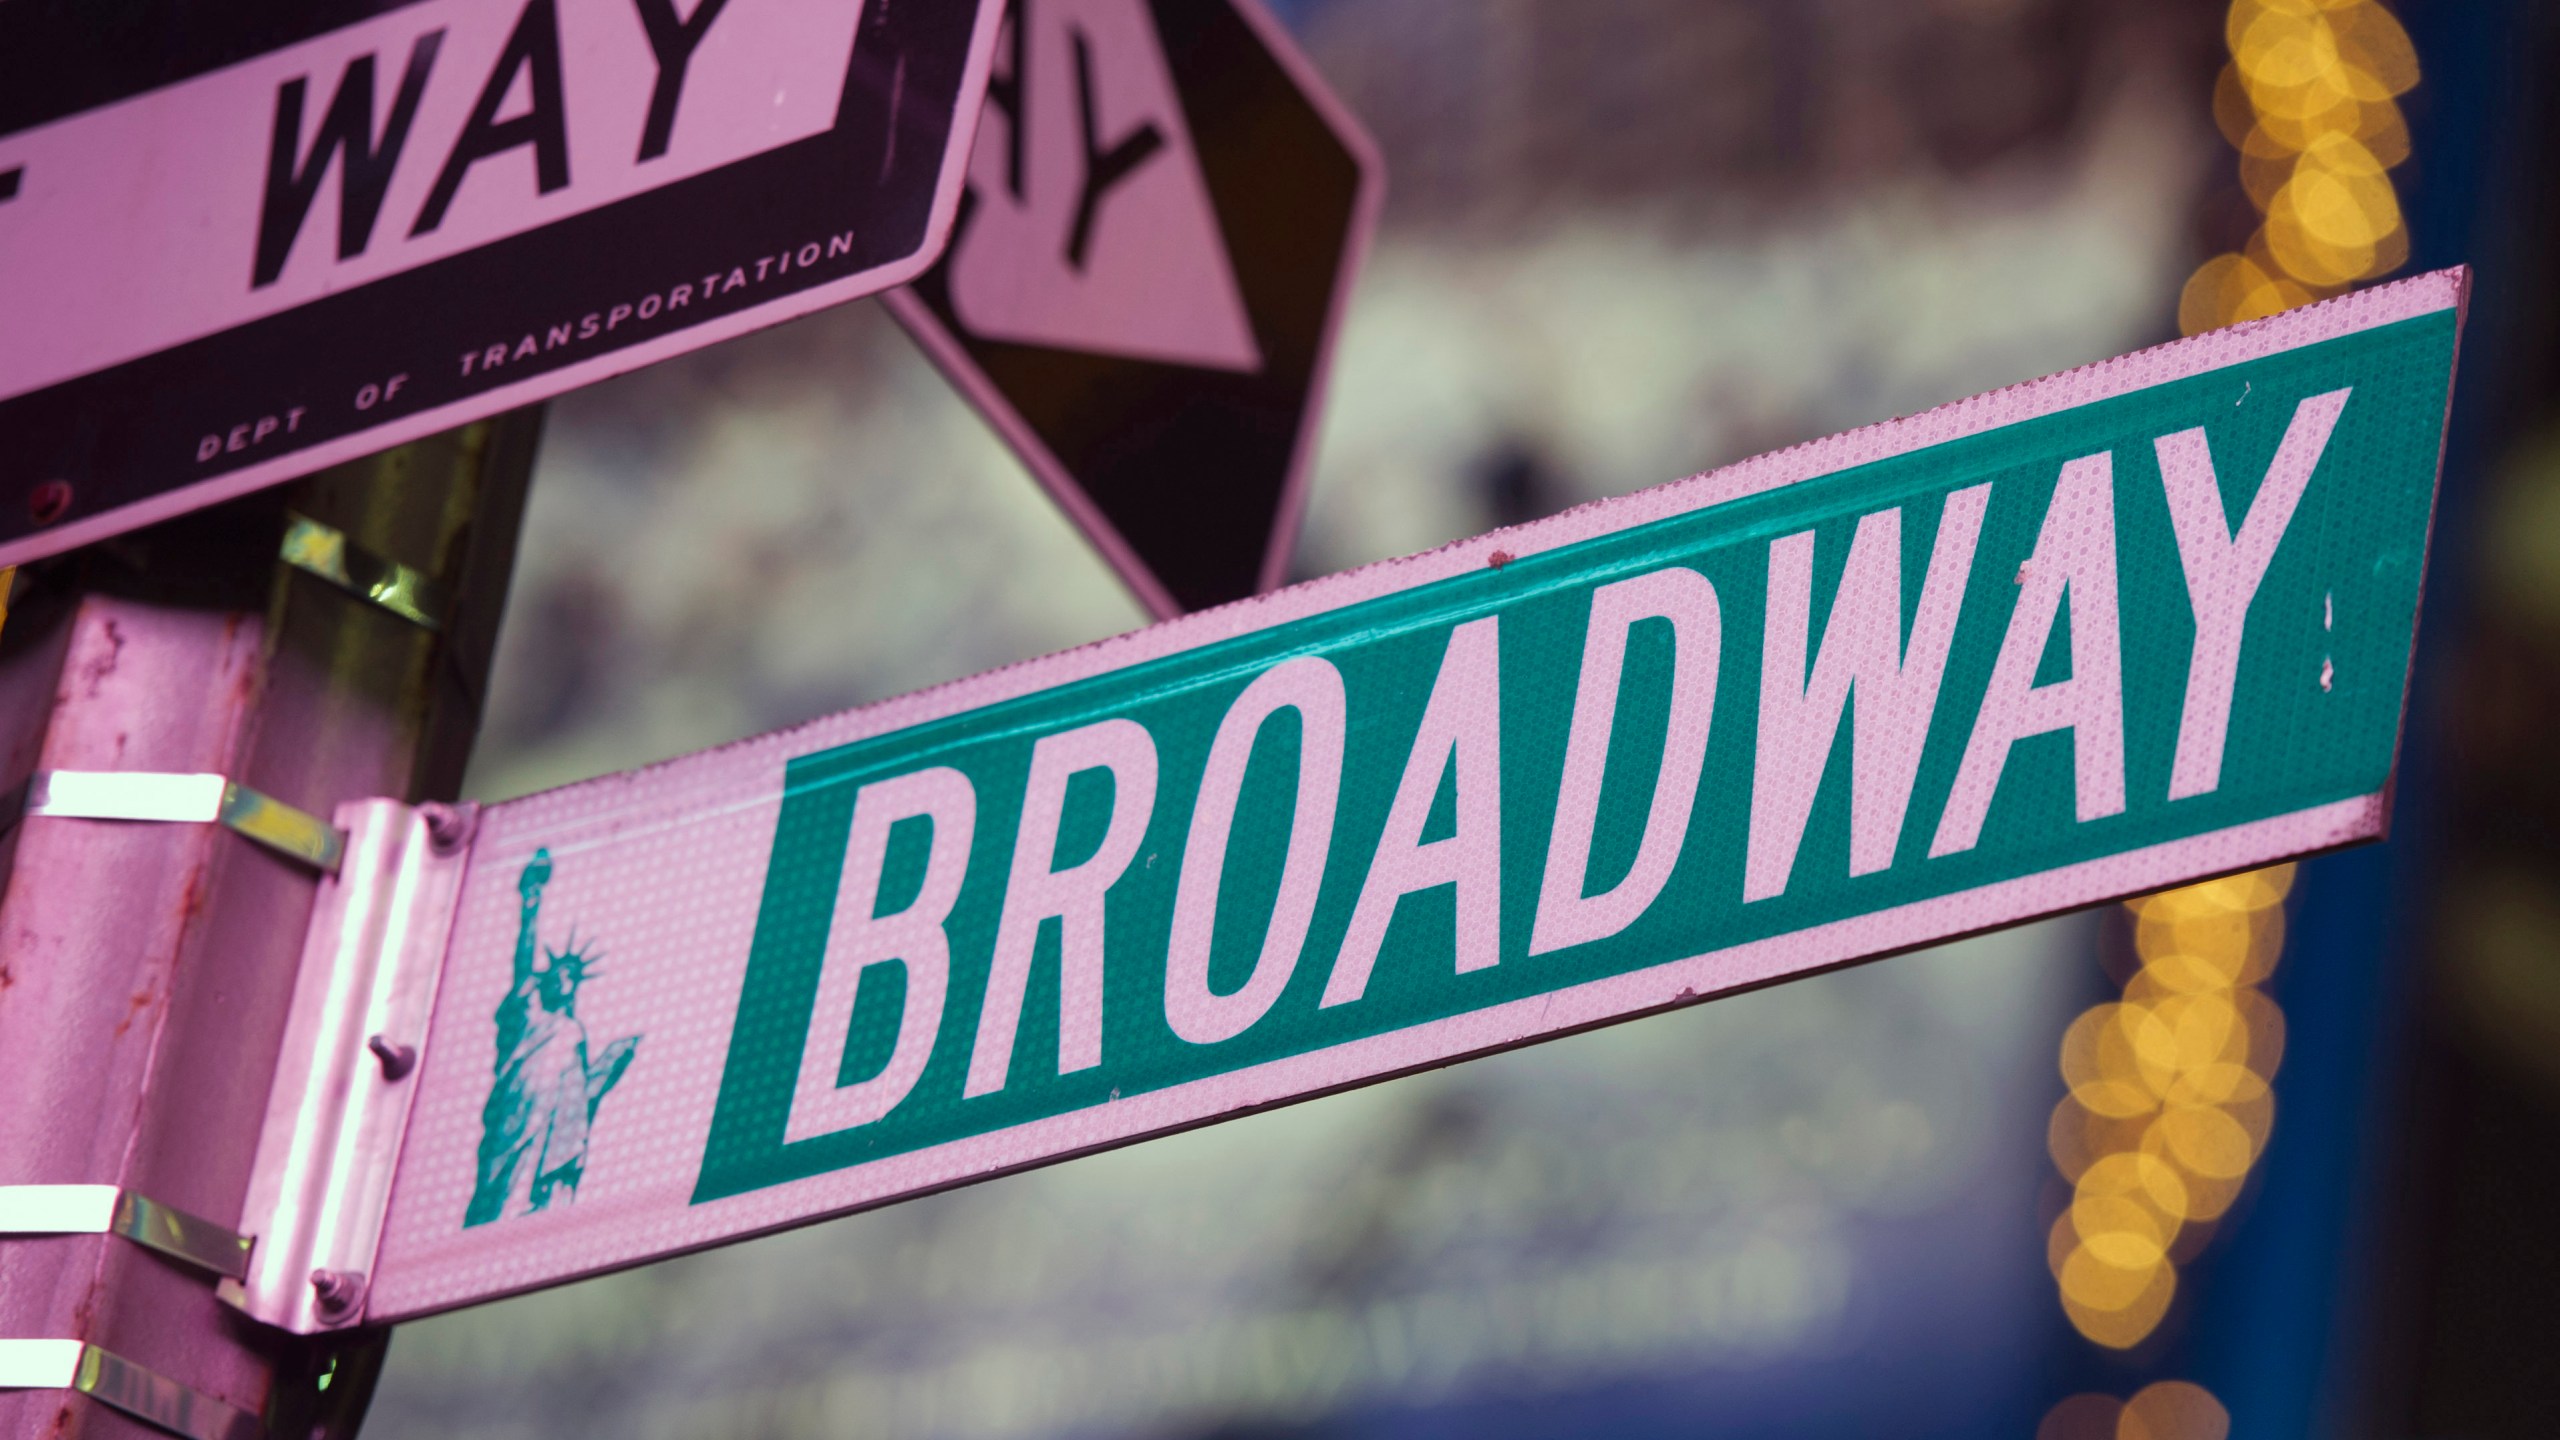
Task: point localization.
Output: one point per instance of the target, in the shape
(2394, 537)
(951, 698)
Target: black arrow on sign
(1102, 169)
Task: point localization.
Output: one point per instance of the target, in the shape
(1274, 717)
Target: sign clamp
(182, 798)
(137, 1390)
(113, 1210)
(325, 551)
(321, 1183)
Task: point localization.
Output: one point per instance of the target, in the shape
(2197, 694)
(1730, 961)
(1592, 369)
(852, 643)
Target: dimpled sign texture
(1545, 785)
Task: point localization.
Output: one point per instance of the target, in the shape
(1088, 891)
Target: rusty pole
(145, 968)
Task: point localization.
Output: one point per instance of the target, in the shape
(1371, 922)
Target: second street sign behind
(2126, 627)
(1165, 208)
(233, 251)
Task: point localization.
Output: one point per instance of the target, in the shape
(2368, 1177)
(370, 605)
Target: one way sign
(1164, 210)
(241, 242)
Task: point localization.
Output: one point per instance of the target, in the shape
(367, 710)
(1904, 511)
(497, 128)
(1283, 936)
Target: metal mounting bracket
(325, 551)
(137, 1390)
(346, 1075)
(182, 798)
(110, 1210)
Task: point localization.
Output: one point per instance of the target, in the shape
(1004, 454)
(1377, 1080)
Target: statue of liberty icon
(533, 1128)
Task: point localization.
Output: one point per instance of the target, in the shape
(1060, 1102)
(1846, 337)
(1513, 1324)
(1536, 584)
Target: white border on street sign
(721, 807)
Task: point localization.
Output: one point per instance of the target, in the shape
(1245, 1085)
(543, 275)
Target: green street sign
(2126, 627)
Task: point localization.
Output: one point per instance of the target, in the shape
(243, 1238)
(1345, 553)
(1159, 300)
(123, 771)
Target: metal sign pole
(176, 708)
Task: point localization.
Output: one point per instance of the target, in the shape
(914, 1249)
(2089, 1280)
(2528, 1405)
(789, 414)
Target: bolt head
(397, 1059)
(340, 1293)
(448, 826)
(49, 502)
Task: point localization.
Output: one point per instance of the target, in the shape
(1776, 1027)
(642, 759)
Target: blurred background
(2274, 1156)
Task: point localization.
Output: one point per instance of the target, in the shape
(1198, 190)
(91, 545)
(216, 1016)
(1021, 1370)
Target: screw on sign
(2136, 625)
(1164, 212)
(395, 219)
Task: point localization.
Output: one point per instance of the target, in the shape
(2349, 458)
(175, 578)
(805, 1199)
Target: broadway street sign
(234, 249)
(1164, 211)
(2107, 632)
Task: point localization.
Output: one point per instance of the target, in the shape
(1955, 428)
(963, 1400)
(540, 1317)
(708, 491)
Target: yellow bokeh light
(2289, 122)
(2266, 1030)
(2327, 224)
(2116, 1099)
(2119, 1327)
(2320, 103)
(2266, 163)
(2097, 1283)
(2121, 1230)
(2224, 1083)
(2278, 295)
(2204, 1140)
(2162, 1410)
(2178, 971)
(2081, 1417)
(2248, 890)
(2140, 1049)
(2385, 132)
(2210, 933)
(2234, 113)
(2282, 47)
(2255, 1115)
(2169, 1103)
(2173, 1410)
(2079, 1137)
(2206, 949)
(2133, 1173)
(2339, 153)
(2156, 1041)
(2374, 48)
(2212, 294)
(2206, 1029)
(2059, 1242)
(2128, 1249)
(2097, 1049)
(2307, 100)
(2209, 1198)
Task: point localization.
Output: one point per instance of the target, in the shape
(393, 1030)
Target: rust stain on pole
(145, 968)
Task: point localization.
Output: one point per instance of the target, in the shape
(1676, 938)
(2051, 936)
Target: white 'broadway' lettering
(1461, 725)
(1311, 686)
(1862, 653)
(1566, 916)
(1035, 893)
(857, 938)
(2223, 570)
(2075, 553)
